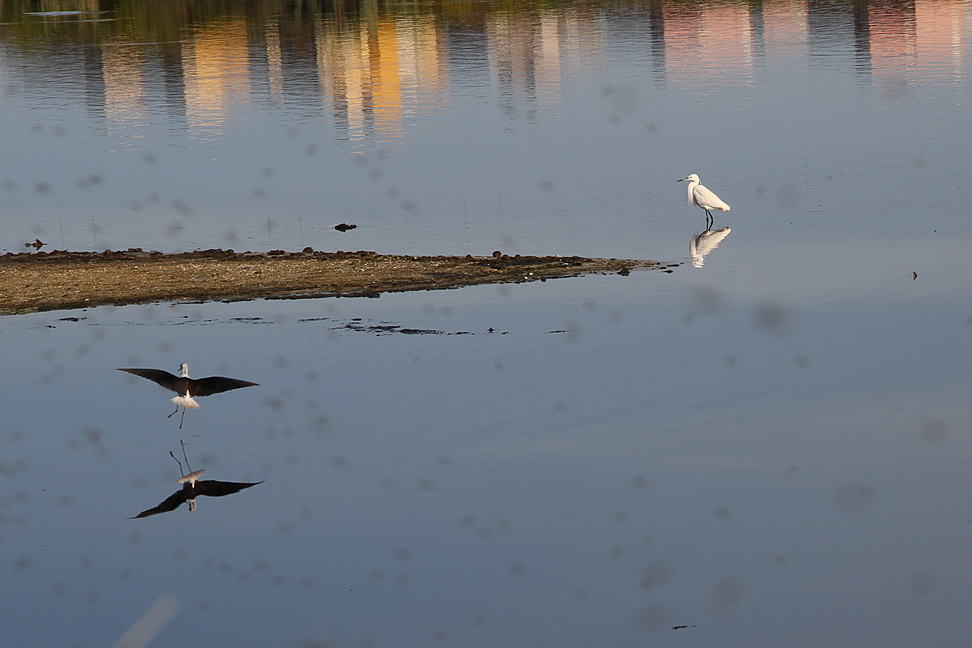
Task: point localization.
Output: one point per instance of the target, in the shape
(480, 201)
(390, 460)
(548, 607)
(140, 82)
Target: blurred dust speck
(801, 362)
(639, 482)
(546, 185)
(621, 516)
(518, 569)
(853, 496)
(787, 197)
(935, 431)
(721, 512)
(320, 425)
(780, 559)
(617, 551)
(727, 593)
(922, 582)
(656, 574)
(426, 485)
(651, 617)
(772, 318)
(573, 331)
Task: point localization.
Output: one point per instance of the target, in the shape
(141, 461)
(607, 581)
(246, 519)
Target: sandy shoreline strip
(60, 280)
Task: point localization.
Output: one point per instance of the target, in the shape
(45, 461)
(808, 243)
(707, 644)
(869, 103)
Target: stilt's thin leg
(176, 411)
(179, 462)
(184, 454)
(183, 417)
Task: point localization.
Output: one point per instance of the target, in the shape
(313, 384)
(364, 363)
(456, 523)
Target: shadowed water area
(767, 444)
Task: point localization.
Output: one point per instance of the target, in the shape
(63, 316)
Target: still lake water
(768, 447)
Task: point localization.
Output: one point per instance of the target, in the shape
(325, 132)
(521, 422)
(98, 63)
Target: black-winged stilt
(188, 388)
(192, 487)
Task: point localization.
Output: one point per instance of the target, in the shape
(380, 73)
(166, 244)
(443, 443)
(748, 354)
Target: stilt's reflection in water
(192, 488)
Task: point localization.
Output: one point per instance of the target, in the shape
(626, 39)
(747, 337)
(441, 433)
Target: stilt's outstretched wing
(214, 488)
(171, 503)
(219, 384)
(163, 378)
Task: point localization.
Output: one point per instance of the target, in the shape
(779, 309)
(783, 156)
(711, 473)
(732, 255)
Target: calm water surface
(769, 446)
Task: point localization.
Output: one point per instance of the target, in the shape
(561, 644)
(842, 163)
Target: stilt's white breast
(186, 401)
(191, 477)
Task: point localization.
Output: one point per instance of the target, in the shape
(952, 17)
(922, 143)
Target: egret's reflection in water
(701, 244)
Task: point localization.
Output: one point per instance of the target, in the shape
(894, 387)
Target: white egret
(701, 196)
(188, 388)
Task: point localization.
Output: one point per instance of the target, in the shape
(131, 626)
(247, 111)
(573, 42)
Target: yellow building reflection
(216, 65)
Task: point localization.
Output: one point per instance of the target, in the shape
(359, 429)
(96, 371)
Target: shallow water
(769, 446)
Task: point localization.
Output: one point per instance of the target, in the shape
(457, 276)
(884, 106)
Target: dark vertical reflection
(656, 39)
(173, 82)
(758, 29)
(862, 37)
(94, 82)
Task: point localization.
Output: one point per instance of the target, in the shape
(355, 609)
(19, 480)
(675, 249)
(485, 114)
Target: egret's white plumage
(703, 197)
